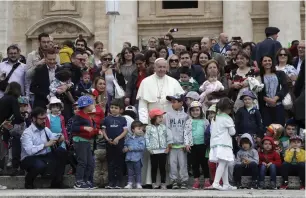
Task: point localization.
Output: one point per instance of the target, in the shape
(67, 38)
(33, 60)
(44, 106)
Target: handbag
(4, 83)
(119, 92)
(287, 102)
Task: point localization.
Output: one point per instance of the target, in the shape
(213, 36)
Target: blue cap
(178, 97)
(85, 101)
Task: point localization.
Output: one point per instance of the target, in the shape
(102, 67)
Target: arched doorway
(60, 28)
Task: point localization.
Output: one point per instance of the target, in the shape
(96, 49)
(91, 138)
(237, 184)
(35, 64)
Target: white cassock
(152, 94)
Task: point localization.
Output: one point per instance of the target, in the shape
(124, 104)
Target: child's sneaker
(229, 187)
(254, 185)
(108, 187)
(273, 185)
(184, 185)
(163, 186)
(206, 184)
(261, 185)
(196, 185)
(80, 185)
(138, 186)
(284, 185)
(217, 186)
(175, 185)
(129, 186)
(302, 187)
(91, 185)
(155, 186)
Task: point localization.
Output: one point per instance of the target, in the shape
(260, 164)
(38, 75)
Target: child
(186, 81)
(134, 147)
(55, 121)
(248, 118)
(16, 133)
(130, 114)
(195, 142)
(294, 162)
(158, 143)
(175, 121)
(222, 128)
(246, 161)
(189, 98)
(210, 85)
(66, 52)
(84, 85)
(269, 160)
(275, 131)
(114, 130)
(290, 130)
(83, 131)
(99, 112)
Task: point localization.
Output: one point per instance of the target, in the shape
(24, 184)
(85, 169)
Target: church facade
(23, 21)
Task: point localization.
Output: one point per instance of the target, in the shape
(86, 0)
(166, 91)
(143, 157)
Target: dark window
(180, 4)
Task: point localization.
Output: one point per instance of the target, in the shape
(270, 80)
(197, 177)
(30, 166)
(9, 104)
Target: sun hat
(55, 100)
(193, 95)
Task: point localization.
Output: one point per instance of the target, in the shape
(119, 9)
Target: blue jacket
(136, 146)
(217, 48)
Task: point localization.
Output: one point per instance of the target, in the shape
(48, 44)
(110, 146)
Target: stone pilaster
(237, 19)
(6, 26)
(101, 23)
(124, 27)
(286, 16)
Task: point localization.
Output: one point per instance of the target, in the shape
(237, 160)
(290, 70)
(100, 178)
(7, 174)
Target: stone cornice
(178, 20)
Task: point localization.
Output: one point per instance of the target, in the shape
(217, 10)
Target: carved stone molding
(59, 28)
(63, 8)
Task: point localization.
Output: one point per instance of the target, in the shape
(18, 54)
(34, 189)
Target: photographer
(39, 152)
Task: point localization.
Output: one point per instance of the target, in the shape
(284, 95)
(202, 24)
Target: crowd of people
(157, 115)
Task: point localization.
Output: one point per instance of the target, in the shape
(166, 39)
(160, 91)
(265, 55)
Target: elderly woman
(152, 94)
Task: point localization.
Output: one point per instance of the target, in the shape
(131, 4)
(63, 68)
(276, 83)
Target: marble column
(124, 26)
(6, 26)
(286, 16)
(237, 19)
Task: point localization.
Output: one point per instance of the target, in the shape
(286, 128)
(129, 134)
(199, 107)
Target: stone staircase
(17, 182)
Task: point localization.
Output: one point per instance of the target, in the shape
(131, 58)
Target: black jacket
(282, 88)
(267, 47)
(9, 106)
(249, 122)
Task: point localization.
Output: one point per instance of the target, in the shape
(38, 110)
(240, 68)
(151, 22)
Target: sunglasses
(174, 60)
(283, 54)
(107, 59)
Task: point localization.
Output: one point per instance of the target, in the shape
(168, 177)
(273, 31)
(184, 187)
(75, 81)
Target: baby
(210, 85)
(61, 84)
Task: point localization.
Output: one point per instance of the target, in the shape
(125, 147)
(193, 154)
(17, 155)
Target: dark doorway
(180, 4)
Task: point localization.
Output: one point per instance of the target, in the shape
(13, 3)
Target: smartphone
(173, 30)
(236, 38)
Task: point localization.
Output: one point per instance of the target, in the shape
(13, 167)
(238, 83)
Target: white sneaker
(3, 187)
(217, 186)
(163, 186)
(129, 186)
(155, 186)
(138, 186)
(229, 187)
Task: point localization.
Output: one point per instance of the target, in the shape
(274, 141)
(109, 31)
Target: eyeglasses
(283, 54)
(107, 59)
(174, 60)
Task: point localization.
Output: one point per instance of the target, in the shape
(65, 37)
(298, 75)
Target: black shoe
(29, 186)
(254, 185)
(14, 172)
(261, 185)
(238, 185)
(175, 185)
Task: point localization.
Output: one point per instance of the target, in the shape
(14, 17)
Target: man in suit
(206, 46)
(269, 46)
(297, 61)
(43, 76)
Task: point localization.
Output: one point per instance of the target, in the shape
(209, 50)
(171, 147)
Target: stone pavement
(145, 193)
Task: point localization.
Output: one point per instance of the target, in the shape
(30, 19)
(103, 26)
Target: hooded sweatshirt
(251, 154)
(270, 156)
(175, 122)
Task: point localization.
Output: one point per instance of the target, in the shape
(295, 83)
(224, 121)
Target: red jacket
(271, 156)
(64, 131)
(81, 121)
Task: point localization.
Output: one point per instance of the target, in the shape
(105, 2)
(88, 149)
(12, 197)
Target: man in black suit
(269, 46)
(43, 76)
(297, 61)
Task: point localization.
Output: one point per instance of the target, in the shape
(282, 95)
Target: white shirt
(51, 72)
(33, 141)
(17, 76)
(298, 68)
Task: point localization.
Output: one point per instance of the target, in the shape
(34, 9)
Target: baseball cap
(23, 100)
(131, 108)
(192, 94)
(155, 112)
(85, 101)
(178, 97)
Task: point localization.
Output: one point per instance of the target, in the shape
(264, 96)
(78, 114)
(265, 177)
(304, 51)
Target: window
(179, 4)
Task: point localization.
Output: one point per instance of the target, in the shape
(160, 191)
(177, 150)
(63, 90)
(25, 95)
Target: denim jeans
(134, 171)
(85, 161)
(263, 170)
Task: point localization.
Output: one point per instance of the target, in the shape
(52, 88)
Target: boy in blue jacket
(134, 147)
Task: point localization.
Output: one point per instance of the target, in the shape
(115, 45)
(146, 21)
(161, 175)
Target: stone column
(286, 16)
(124, 27)
(6, 26)
(237, 19)
(101, 23)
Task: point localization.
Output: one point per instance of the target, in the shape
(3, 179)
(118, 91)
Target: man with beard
(39, 154)
(12, 70)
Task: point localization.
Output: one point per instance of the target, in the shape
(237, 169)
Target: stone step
(148, 193)
(17, 182)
